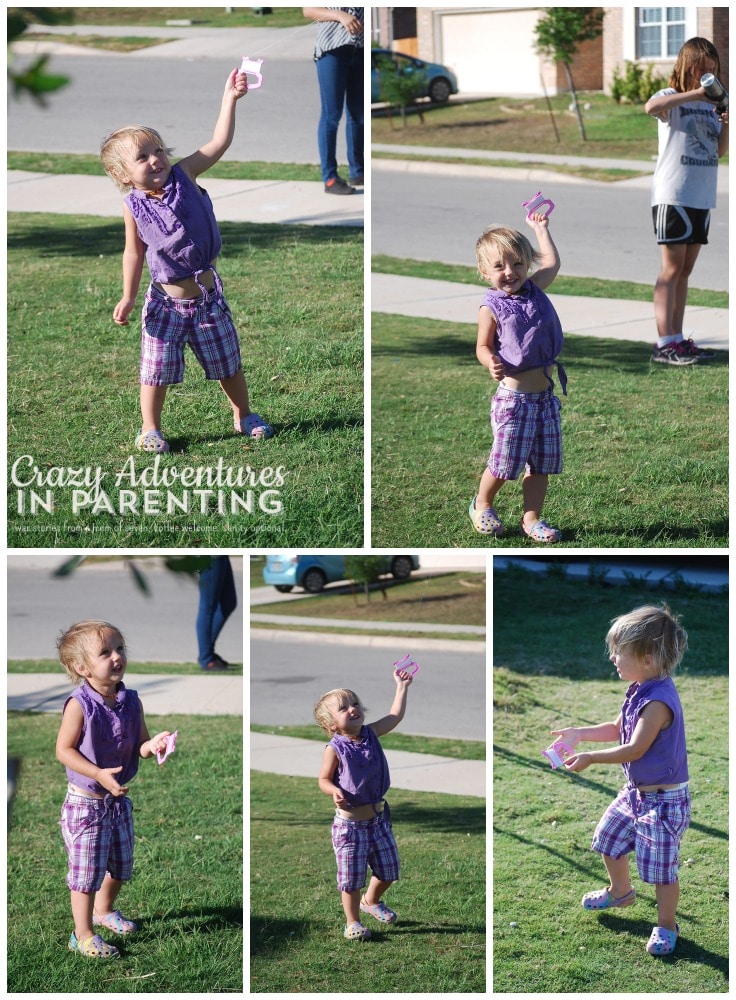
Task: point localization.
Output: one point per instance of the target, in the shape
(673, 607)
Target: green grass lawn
(642, 467)
(296, 944)
(213, 17)
(186, 892)
(296, 293)
(438, 745)
(181, 669)
(557, 674)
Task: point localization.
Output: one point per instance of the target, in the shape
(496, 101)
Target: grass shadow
(272, 935)
(467, 819)
(687, 950)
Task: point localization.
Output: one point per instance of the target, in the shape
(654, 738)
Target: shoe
(699, 353)
(338, 186)
(540, 531)
(357, 181)
(151, 441)
(216, 663)
(485, 521)
(601, 899)
(674, 354)
(115, 922)
(662, 941)
(356, 932)
(378, 910)
(93, 947)
(254, 426)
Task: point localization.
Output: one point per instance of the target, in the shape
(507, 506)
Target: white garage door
(491, 52)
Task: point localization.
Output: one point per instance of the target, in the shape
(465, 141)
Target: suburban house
(491, 49)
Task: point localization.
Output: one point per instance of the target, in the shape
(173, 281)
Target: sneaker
(338, 186)
(357, 181)
(674, 354)
(699, 353)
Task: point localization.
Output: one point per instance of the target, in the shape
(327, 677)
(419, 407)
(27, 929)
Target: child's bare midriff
(535, 380)
(359, 813)
(187, 288)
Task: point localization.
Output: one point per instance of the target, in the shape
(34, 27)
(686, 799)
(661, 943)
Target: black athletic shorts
(677, 224)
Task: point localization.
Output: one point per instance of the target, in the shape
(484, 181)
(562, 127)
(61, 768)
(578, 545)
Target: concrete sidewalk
(416, 772)
(286, 202)
(161, 694)
(617, 319)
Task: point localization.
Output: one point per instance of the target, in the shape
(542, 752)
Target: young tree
(366, 570)
(559, 32)
(400, 86)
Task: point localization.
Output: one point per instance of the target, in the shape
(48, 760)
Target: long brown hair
(689, 55)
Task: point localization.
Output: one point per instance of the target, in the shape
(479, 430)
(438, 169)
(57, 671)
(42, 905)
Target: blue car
(441, 81)
(285, 571)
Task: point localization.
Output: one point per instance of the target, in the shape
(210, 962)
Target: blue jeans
(340, 76)
(217, 601)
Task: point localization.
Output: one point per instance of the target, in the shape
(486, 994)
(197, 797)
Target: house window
(660, 32)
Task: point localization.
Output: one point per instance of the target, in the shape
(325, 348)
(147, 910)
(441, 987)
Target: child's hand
(571, 736)
(403, 678)
(339, 799)
(496, 368)
(537, 220)
(579, 762)
(106, 778)
(122, 310)
(157, 743)
(237, 85)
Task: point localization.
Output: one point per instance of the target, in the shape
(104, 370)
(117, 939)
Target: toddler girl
(102, 735)
(692, 137)
(355, 773)
(169, 220)
(652, 811)
(519, 339)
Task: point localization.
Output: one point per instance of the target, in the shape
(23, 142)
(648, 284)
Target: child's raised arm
(208, 154)
(550, 263)
(398, 706)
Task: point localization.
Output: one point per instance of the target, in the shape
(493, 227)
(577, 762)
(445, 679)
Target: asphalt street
(288, 676)
(180, 97)
(435, 212)
(158, 627)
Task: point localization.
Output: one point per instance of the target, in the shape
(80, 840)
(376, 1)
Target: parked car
(286, 571)
(441, 81)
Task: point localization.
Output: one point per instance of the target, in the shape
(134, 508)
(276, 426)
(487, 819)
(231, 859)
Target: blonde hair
(322, 714)
(653, 631)
(73, 645)
(689, 55)
(502, 240)
(116, 148)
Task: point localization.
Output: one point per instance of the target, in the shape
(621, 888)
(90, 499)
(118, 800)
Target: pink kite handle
(170, 747)
(535, 204)
(252, 66)
(557, 753)
(406, 664)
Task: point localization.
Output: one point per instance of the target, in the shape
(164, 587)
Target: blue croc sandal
(540, 531)
(378, 910)
(662, 941)
(601, 899)
(254, 426)
(93, 947)
(485, 521)
(115, 922)
(356, 932)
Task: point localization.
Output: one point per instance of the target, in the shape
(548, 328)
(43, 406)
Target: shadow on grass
(271, 935)
(458, 819)
(687, 949)
(90, 238)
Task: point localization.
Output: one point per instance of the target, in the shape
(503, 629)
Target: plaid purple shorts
(98, 836)
(526, 433)
(360, 843)
(205, 323)
(649, 823)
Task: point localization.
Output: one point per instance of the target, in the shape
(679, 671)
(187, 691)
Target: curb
(379, 641)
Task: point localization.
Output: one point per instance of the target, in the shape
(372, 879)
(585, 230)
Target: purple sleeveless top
(362, 769)
(665, 762)
(528, 332)
(179, 229)
(110, 736)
